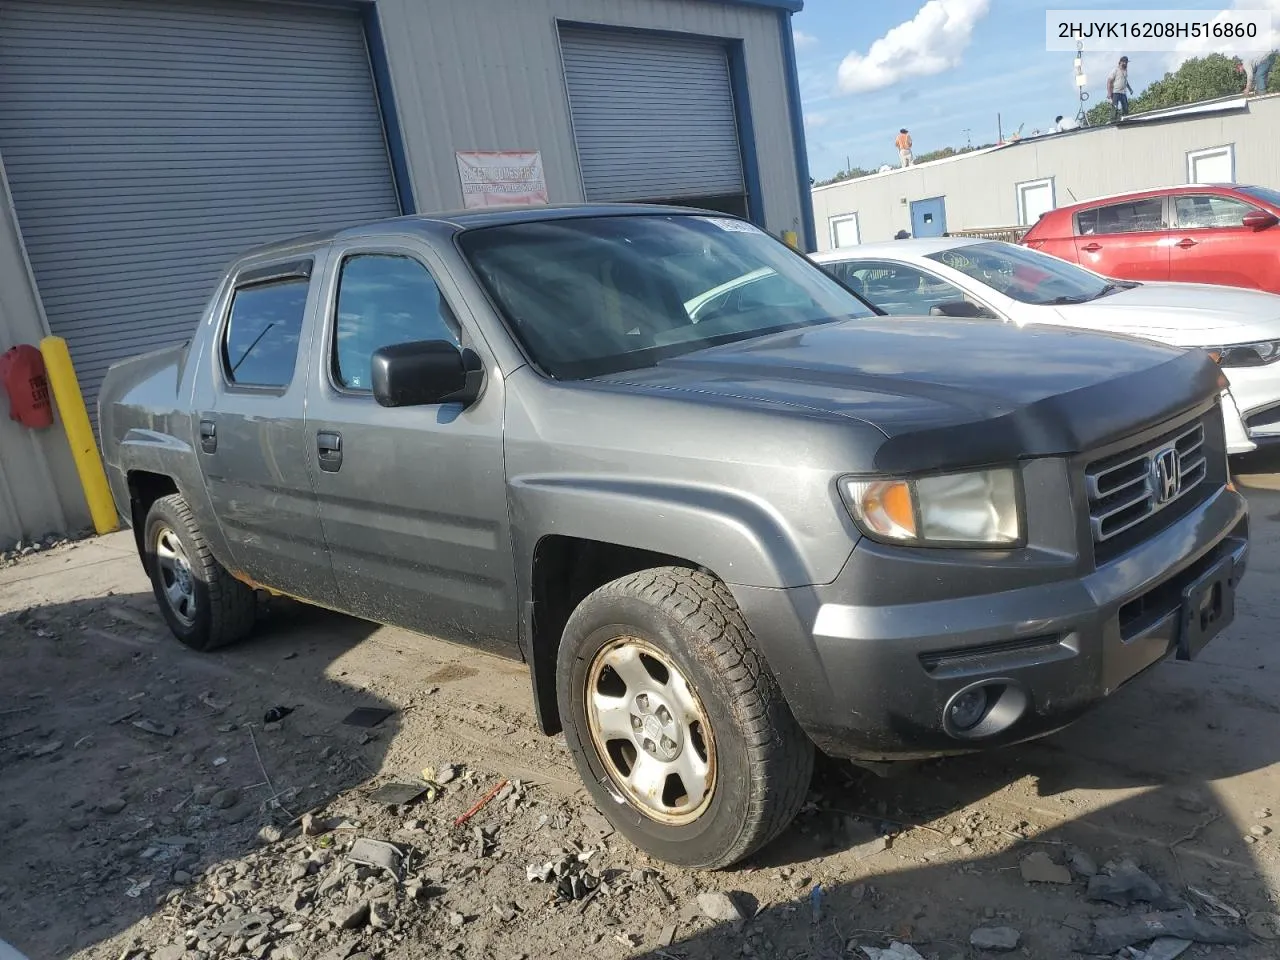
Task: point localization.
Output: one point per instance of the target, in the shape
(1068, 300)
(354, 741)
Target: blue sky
(971, 59)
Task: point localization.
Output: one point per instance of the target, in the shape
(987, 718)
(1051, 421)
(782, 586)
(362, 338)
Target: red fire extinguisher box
(23, 378)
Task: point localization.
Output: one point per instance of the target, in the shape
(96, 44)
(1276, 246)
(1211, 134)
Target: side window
(1200, 212)
(903, 289)
(1135, 216)
(383, 300)
(848, 274)
(260, 344)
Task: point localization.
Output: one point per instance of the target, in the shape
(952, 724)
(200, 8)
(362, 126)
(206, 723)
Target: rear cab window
(263, 331)
(1131, 216)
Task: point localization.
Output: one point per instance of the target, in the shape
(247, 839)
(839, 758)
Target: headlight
(1247, 354)
(974, 509)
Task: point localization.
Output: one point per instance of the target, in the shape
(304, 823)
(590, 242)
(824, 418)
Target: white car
(968, 277)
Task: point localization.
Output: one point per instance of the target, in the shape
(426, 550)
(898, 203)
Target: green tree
(851, 174)
(1200, 78)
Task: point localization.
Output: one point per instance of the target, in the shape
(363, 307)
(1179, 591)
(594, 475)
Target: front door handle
(208, 436)
(1186, 243)
(329, 451)
(1091, 247)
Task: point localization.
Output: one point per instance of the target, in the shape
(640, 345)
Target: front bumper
(873, 681)
(1251, 407)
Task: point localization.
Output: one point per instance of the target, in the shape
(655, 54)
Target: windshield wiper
(1083, 298)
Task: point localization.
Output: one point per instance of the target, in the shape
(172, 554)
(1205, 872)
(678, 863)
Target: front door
(412, 499)
(1211, 244)
(249, 433)
(929, 217)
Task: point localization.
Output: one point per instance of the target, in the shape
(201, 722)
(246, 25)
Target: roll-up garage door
(653, 116)
(148, 143)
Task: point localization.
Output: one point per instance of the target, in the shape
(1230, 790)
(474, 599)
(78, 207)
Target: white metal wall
(39, 492)
(981, 189)
(486, 75)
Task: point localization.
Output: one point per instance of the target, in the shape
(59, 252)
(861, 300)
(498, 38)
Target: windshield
(1025, 275)
(597, 295)
(1265, 194)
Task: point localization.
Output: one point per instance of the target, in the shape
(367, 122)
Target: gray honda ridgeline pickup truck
(724, 509)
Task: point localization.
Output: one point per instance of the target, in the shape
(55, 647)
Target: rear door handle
(1186, 243)
(1091, 247)
(329, 451)
(208, 436)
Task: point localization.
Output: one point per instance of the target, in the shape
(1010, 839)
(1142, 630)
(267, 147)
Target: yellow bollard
(75, 421)
(791, 239)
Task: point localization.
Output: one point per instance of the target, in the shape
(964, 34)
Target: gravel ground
(153, 805)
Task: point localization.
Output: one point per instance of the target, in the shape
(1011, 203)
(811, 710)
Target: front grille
(1128, 488)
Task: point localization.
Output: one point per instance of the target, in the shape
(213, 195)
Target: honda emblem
(1166, 475)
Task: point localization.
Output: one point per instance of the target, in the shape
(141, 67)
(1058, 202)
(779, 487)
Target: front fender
(741, 539)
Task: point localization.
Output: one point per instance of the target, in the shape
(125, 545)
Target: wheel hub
(650, 730)
(177, 582)
(657, 732)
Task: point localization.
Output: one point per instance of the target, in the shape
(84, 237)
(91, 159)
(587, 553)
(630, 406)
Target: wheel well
(145, 489)
(565, 570)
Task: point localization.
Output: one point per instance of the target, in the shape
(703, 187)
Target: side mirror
(1259, 220)
(957, 308)
(426, 372)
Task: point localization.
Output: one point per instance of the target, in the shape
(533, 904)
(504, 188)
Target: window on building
(1202, 212)
(1035, 198)
(260, 345)
(1212, 165)
(844, 231)
(384, 300)
(1132, 216)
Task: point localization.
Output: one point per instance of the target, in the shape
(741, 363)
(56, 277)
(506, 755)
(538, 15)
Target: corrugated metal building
(144, 143)
(1231, 140)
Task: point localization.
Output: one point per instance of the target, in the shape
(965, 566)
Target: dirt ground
(148, 809)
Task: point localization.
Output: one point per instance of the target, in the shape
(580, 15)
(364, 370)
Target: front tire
(203, 604)
(675, 722)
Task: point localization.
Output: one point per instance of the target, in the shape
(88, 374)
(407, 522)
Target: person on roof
(1118, 88)
(903, 143)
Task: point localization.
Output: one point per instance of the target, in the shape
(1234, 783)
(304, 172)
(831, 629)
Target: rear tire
(203, 604)
(676, 724)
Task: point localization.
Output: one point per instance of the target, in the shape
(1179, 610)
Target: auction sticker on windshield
(732, 226)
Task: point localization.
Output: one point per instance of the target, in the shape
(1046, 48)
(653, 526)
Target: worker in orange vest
(903, 143)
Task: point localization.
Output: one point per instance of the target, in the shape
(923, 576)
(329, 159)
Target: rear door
(250, 441)
(412, 499)
(1212, 244)
(1128, 239)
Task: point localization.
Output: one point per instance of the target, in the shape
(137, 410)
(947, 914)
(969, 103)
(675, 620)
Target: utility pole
(999, 129)
(968, 137)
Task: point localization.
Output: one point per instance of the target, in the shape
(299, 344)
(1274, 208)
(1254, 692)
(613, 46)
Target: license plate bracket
(1208, 606)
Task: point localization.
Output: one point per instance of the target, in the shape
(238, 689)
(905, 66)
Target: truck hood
(1184, 314)
(948, 392)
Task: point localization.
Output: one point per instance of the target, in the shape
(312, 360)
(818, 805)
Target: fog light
(968, 709)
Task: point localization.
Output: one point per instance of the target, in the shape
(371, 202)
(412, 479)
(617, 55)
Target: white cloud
(929, 43)
(1198, 48)
(816, 120)
(803, 39)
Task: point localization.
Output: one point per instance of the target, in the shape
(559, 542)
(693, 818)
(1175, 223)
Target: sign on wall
(500, 178)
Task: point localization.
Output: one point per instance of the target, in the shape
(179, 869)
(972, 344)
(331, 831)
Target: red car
(1216, 233)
